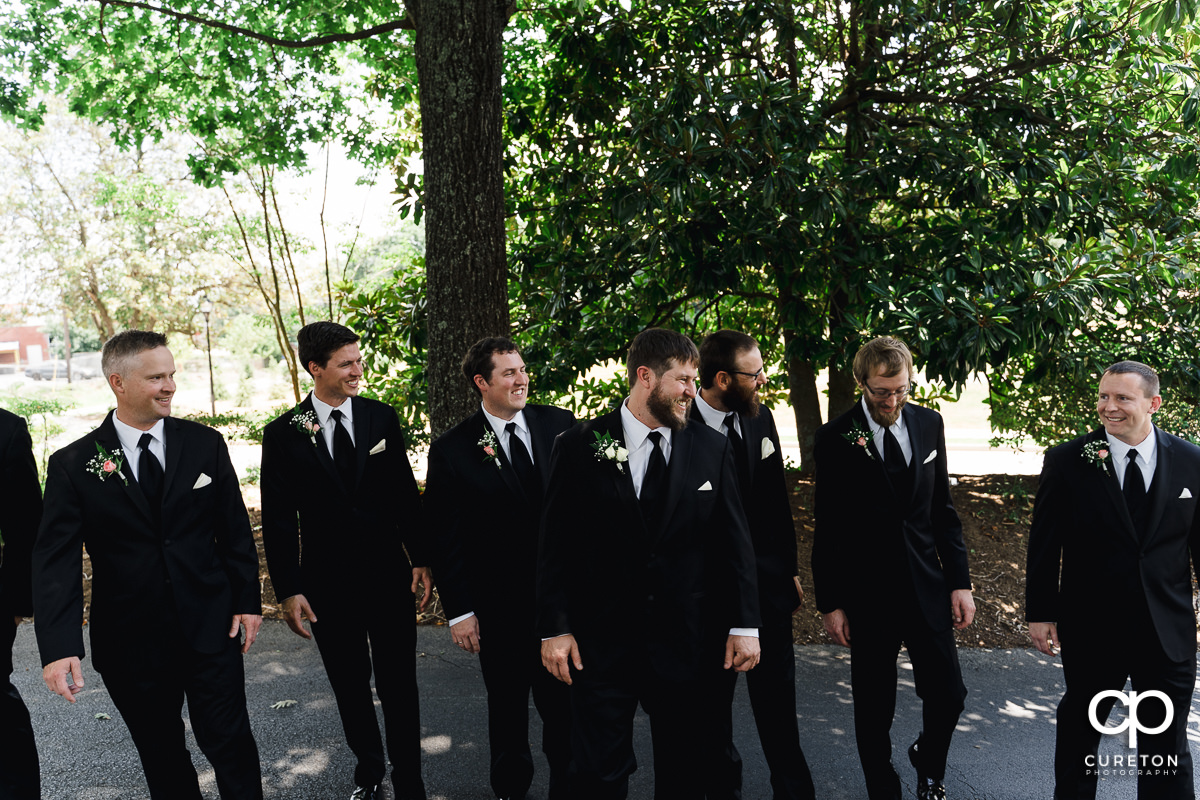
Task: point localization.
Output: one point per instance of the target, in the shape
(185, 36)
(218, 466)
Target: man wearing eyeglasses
(890, 567)
(731, 374)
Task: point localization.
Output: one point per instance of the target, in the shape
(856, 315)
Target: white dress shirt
(716, 419)
(323, 410)
(499, 425)
(1147, 457)
(899, 430)
(129, 437)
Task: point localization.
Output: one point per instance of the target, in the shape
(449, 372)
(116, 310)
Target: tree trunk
(843, 391)
(806, 406)
(459, 55)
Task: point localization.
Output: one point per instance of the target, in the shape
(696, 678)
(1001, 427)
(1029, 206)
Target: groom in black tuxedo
(19, 516)
(486, 509)
(156, 502)
(1114, 525)
(731, 372)
(339, 509)
(890, 567)
(646, 576)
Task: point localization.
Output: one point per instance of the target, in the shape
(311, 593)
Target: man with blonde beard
(890, 567)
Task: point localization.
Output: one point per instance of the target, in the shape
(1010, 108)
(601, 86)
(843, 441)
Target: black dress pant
(875, 640)
(772, 689)
(1091, 664)
(149, 691)
(604, 701)
(510, 658)
(351, 640)
(19, 772)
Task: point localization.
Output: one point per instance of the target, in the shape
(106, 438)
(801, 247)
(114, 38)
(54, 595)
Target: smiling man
(486, 568)
(1114, 525)
(889, 565)
(339, 510)
(174, 576)
(646, 576)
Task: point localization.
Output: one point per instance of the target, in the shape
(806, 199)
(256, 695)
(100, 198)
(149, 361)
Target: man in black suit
(19, 516)
(156, 502)
(890, 567)
(487, 568)
(1114, 524)
(339, 508)
(645, 576)
(731, 372)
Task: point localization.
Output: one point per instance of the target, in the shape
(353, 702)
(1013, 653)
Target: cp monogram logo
(1131, 721)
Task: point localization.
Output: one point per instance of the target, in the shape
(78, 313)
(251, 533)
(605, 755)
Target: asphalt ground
(1002, 751)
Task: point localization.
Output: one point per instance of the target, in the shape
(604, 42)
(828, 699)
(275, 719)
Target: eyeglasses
(751, 375)
(884, 394)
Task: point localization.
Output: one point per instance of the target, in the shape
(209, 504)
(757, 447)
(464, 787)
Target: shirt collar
(129, 436)
(1120, 450)
(323, 409)
(498, 424)
(712, 417)
(636, 431)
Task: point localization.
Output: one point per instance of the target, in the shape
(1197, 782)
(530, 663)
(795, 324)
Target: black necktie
(652, 484)
(522, 464)
(893, 456)
(150, 472)
(343, 450)
(740, 458)
(1135, 485)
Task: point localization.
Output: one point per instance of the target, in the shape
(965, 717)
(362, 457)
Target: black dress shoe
(927, 788)
(366, 793)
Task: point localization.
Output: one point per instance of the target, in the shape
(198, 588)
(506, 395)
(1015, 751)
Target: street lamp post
(206, 307)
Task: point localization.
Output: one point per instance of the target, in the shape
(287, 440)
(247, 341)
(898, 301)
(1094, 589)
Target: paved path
(1002, 750)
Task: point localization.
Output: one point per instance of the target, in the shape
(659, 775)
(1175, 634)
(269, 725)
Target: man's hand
(251, 622)
(422, 576)
(1045, 637)
(962, 608)
(799, 594)
(741, 653)
(837, 626)
(558, 654)
(295, 609)
(55, 675)
(466, 634)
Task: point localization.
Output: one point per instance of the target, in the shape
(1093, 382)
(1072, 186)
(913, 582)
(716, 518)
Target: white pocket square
(767, 447)
(379, 448)
(930, 457)
(1185, 494)
(202, 481)
(707, 487)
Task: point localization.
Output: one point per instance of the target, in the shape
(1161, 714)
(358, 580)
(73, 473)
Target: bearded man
(646, 579)
(890, 567)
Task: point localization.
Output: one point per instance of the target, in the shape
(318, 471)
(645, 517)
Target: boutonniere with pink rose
(1098, 454)
(861, 438)
(607, 448)
(306, 423)
(105, 464)
(488, 443)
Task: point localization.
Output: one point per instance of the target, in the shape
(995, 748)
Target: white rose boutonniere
(607, 448)
(306, 423)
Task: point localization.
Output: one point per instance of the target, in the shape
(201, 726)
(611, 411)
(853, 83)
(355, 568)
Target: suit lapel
(916, 446)
(543, 443)
(1160, 484)
(174, 448)
(106, 435)
(507, 473)
(622, 479)
(677, 473)
(1111, 488)
(319, 446)
(363, 440)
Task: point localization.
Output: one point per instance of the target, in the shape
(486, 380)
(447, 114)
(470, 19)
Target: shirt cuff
(457, 620)
(744, 632)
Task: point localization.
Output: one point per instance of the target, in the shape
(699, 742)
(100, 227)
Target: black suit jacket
(332, 542)
(629, 594)
(19, 516)
(865, 530)
(203, 562)
(768, 514)
(1089, 571)
(487, 527)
